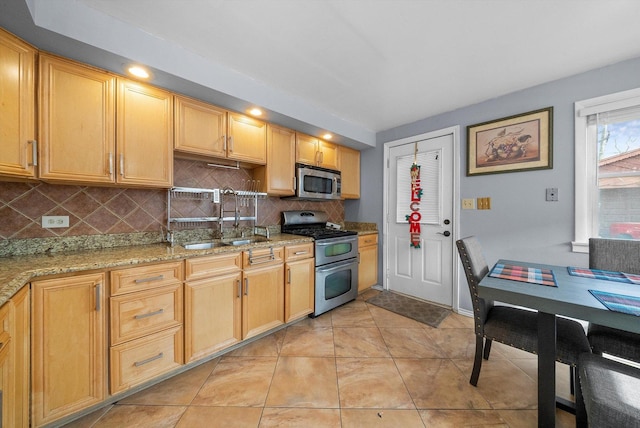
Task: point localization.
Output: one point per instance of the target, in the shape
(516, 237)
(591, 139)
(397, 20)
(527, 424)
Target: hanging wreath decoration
(414, 204)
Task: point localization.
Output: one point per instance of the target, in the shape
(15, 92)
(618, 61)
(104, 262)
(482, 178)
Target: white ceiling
(378, 64)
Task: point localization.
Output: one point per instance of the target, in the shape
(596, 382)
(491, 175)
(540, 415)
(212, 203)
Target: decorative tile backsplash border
(112, 210)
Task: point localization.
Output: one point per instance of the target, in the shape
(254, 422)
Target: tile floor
(356, 366)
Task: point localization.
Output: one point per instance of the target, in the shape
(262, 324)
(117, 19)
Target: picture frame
(523, 142)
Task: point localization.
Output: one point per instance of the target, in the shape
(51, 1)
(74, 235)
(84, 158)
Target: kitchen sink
(232, 242)
(204, 245)
(246, 241)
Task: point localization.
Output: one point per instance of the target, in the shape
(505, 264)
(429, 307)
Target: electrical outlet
(552, 194)
(53, 221)
(468, 204)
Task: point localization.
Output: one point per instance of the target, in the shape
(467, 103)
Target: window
(607, 156)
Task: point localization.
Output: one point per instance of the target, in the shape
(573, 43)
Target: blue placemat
(618, 302)
(608, 275)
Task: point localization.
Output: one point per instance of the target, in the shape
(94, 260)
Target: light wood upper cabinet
(99, 129)
(350, 172)
(69, 345)
(144, 135)
(18, 150)
(201, 128)
(278, 175)
(207, 131)
(314, 151)
(77, 122)
(247, 140)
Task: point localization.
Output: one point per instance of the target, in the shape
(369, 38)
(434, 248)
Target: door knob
(445, 233)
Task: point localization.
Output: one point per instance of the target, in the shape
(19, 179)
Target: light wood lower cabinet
(7, 380)
(299, 282)
(146, 323)
(213, 304)
(368, 264)
(68, 345)
(140, 360)
(21, 338)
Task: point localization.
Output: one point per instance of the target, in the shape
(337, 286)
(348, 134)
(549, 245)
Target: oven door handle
(343, 241)
(336, 266)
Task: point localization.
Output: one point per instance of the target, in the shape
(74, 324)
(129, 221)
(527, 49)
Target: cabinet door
(17, 107)
(299, 289)
(306, 149)
(350, 169)
(201, 128)
(7, 379)
(368, 267)
(77, 122)
(262, 299)
(328, 155)
(213, 315)
(247, 139)
(20, 336)
(144, 136)
(69, 345)
(278, 176)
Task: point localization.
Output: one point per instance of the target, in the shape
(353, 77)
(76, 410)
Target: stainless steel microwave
(316, 183)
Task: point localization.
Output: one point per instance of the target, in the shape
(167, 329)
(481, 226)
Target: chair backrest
(475, 268)
(620, 255)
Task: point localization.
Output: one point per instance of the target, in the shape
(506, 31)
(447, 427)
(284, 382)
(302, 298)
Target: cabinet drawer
(298, 251)
(137, 314)
(137, 361)
(258, 257)
(145, 277)
(206, 267)
(366, 240)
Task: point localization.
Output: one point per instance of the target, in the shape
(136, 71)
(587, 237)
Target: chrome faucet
(226, 191)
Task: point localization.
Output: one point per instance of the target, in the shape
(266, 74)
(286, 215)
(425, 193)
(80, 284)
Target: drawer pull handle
(152, 278)
(98, 293)
(239, 289)
(266, 258)
(246, 286)
(148, 360)
(299, 253)
(288, 276)
(150, 314)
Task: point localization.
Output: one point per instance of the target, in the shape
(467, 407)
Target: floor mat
(415, 309)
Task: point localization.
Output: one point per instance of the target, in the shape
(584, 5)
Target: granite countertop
(17, 271)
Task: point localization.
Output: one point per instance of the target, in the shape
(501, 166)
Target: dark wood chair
(509, 325)
(619, 255)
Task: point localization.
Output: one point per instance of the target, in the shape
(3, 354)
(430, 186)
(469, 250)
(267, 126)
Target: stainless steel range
(336, 258)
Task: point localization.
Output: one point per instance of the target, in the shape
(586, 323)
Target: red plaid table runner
(524, 274)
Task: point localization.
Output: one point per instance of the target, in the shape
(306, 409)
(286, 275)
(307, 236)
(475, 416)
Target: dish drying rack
(245, 205)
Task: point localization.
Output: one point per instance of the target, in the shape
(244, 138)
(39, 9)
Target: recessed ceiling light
(138, 71)
(255, 112)
(327, 136)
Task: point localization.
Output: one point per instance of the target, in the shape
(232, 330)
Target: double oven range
(336, 257)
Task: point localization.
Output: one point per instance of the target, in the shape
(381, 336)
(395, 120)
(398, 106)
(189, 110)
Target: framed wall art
(516, 143)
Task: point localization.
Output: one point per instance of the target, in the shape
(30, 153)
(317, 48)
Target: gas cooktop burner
(319, 233)
(310, 223)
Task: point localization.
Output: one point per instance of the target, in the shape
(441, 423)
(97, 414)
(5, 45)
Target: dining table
(573, 297)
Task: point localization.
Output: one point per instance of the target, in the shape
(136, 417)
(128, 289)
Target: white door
(421, 264)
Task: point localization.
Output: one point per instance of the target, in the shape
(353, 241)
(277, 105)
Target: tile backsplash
(112, 210)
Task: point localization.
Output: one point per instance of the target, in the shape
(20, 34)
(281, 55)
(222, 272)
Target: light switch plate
(468, 204)
(53, 221)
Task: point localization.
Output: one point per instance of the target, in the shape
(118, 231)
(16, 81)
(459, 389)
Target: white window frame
(586, 190)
